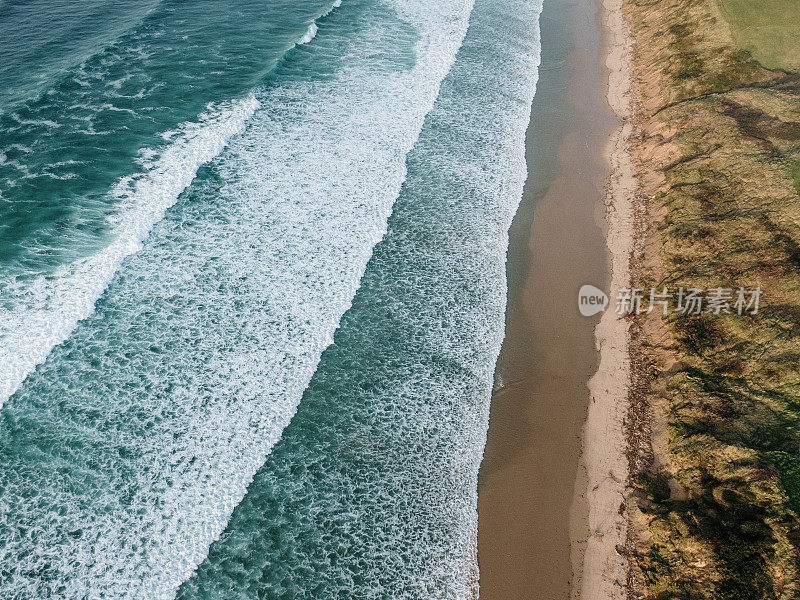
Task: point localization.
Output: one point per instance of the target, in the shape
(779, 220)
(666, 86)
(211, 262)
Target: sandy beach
(554, 470)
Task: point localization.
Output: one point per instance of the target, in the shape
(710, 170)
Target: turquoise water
(198, 200)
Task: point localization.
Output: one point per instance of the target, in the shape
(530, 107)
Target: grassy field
(768, 29)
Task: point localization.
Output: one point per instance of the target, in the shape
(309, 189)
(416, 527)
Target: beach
(554, 469)
(653, 455)
(250, 328)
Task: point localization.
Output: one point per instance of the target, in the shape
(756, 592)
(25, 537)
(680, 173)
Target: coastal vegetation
(715, 412)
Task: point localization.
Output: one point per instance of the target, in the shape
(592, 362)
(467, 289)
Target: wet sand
(533, 515)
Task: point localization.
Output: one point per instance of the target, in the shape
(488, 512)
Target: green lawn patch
(768, 29)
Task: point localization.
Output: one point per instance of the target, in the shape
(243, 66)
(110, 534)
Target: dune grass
(719, 502)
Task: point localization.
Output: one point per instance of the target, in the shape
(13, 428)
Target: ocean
(252, 291)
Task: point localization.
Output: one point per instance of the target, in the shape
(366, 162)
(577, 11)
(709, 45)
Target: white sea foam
(39, 314)
(314, 28)
(186, 380)
(310, 34)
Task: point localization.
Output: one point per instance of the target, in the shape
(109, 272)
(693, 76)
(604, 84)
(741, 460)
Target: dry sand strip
(605, 570)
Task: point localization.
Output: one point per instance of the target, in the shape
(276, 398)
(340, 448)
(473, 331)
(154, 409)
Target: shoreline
(532, 502)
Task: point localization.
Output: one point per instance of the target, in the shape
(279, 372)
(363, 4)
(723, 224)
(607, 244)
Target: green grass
(768, 29)
(795, 173)
(789, 467)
